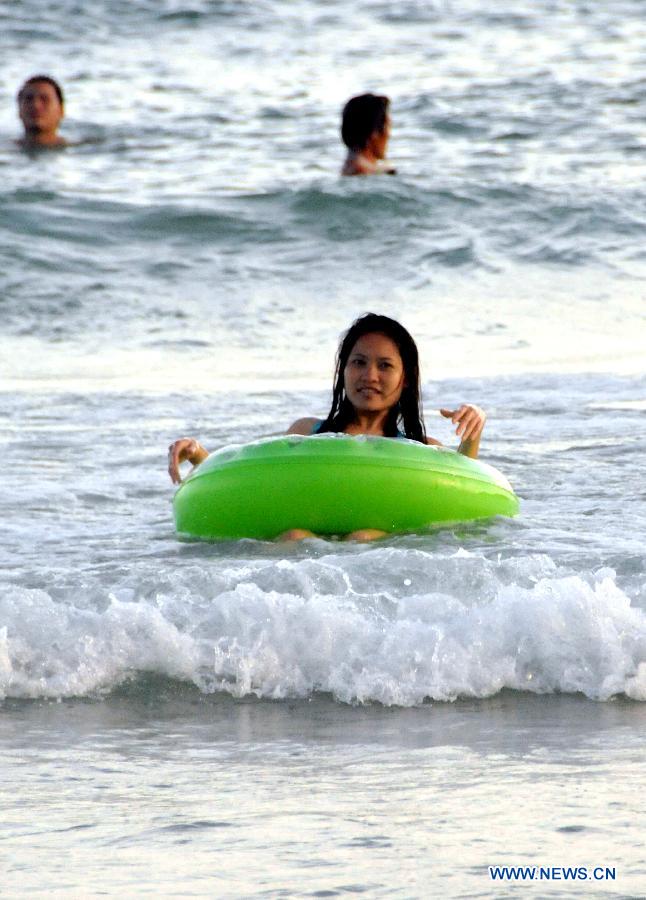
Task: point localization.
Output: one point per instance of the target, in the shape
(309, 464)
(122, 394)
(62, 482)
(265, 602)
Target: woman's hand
(184, 450)
(470, 421)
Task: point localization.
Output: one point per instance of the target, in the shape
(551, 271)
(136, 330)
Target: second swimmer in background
(41, 107)
(365, 130)
(376, 391)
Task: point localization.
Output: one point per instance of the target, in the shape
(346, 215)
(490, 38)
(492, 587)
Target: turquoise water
(248, 719)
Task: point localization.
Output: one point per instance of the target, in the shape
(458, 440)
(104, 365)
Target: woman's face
(374, 374)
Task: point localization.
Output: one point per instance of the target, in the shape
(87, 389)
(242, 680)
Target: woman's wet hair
(48, 80)
(361, 117)
(406, 416)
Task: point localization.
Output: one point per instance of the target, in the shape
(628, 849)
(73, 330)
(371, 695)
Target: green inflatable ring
(335, 484)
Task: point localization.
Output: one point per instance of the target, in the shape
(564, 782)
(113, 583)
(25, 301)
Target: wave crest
(441, 628)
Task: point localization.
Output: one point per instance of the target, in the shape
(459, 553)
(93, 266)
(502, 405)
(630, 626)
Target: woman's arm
(190, 450)
(470, 421)
(184, 450)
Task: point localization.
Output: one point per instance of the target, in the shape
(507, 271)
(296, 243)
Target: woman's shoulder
(433, 442)
(306, 425)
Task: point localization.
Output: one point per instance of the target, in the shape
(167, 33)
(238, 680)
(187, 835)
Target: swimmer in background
(41, 107)
(365, 129)
(376, 392)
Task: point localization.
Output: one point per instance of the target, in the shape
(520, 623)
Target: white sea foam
(439, 627)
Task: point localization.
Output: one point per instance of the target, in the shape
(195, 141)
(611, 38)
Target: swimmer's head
(363, 117)
(408, 410)
(46, 79)
(41, 106)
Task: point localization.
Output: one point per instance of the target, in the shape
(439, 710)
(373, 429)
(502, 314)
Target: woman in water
(376, 391)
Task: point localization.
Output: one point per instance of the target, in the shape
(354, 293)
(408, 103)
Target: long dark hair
(407, 413)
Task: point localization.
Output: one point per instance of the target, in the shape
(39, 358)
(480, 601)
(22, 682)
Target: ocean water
(250, 719)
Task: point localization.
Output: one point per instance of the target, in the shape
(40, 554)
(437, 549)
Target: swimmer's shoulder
(356, 165)
(352, 165)
(306, 425)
